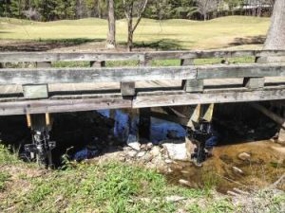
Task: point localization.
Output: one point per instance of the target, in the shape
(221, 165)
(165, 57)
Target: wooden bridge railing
(37, 98)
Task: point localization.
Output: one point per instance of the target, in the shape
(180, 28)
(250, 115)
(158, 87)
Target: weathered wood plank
(171, 118)
(157, 99)
(64, 105)
(240, 71)
(89, 75)
(44, 56)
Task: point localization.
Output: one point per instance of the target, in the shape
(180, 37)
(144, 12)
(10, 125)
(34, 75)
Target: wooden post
(97, 64)
(43, 64)
(127, 89)
(253, 83)
(196, 85)
(144, 124)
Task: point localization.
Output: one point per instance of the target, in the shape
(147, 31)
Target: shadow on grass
(4, 32)
(45, 44)
(260, 39)
(163, 44)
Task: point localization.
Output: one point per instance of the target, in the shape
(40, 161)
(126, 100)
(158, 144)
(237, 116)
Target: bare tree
(276, 33)
(111, 37)
(133, 8)
(206, 6)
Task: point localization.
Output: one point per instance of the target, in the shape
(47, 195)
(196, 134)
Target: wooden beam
(85, 75)
(65, 105)
(171, 118)
(44, 56)
(276, 118)
(157, 99)
(240, 71)
(89, 75)
(144, 124)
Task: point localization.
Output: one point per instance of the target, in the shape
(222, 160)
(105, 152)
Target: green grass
(107, 187)
(164, 35)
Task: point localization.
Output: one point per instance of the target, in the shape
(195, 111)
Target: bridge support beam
(144, 124)
(41, 146)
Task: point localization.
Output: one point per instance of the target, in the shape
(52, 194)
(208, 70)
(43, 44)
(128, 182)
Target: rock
(184, 182)
(141, 154)
(168, 161)
(174, 198)
(237, 170)
(144, 147)
(155, 151)
(133, 143)
(122, 159)
(147, 157)
(132, 153)
(244, 156)
(176, 151)
(149, 146)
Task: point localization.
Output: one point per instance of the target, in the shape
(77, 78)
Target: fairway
(226, 32)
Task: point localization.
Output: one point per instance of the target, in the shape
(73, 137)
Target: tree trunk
(276, 35)
(111, 37)
(130, 34)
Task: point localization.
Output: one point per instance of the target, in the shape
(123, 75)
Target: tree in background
(184, 9)
(276, 33)
(133, 9)
(206, 6)
(111, 37)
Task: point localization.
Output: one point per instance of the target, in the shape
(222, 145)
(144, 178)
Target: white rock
(184, 182)
(155, 151)
(174, 198)
(149, 146)
(244, 156)
(237, 170)
(141, 154)
(168, 161)
(176, 151)
(133, 143)
(132, 153)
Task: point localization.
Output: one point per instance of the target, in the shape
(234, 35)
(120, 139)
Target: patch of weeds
(4, 177)
(210, 181)
(129, 63)
(6, 157)
(194, 208)
(221, 206)
(237, 60)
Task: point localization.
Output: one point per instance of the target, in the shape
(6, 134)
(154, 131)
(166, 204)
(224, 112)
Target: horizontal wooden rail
(142, 100)
(140, 56)
(89, 75)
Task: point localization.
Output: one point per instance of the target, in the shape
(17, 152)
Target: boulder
(176, 151)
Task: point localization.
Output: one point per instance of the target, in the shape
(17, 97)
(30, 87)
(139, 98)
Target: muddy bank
(248, 166)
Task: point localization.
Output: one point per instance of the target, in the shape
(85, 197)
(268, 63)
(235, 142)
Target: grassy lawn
(245, 32)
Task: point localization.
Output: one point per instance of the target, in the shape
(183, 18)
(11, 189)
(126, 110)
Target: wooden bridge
(38, 84)
(44, 87)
